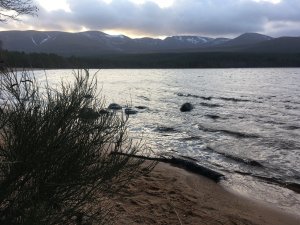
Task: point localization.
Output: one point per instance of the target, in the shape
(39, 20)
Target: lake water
(245, 122)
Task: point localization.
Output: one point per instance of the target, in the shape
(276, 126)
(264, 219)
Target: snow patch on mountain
(192, 40)
(179, 38)
(40, 42)
(115, 36)
(34, 42)
(45, 39)
(195, 40)
(198, 40)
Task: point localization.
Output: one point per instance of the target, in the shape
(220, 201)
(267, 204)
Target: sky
(161, 18)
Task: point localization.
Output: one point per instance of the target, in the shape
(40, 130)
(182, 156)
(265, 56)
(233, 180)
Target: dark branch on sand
(182, 163)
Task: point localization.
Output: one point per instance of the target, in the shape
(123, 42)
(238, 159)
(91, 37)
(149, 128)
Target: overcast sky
(158, 18)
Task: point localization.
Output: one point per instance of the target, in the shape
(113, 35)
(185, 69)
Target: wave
(280, 144)
(211, 116)
(193, 138)
(165, 129)
(286, 184)
(210, 105)
(236, 134)
(234, 99)
(289, 185)
(210, 98)
(271, 122)
(292, 127)
(291, 107)
(144, 98)
(238, 159)
(290, 101)
(194, 96)
(250, 162)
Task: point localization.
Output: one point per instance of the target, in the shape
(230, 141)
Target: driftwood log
(182, 162)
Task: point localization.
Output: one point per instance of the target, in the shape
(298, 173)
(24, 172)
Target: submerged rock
(88, 114)
(214, 117)
(186, 107)
(114, 106)
(129, 111)
(88, 96)
(141, 107)
(165, 129)
(103, 112)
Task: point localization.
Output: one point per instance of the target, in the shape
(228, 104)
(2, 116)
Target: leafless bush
(12, 9)
(56, 161)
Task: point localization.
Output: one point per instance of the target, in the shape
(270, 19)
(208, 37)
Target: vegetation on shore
(159, 60)
(58, 161)
(56, 145)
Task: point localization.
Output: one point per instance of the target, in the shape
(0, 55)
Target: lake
(245, 122)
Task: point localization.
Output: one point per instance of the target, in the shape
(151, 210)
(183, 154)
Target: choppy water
(246, 122)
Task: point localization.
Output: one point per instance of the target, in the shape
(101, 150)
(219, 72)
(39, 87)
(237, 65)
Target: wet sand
(171, 195)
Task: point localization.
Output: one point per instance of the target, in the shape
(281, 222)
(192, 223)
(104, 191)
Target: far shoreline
(167, 60)
(184, 68)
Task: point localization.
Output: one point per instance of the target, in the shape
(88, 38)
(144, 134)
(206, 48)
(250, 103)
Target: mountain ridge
(92, 43)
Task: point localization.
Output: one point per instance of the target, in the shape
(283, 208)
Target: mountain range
(92, 43)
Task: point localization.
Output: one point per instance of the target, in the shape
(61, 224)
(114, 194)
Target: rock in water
(114, 106)
(141, 107)
(165, 129)
(88, 114)
(186, 107)
(129, 111)
(104, 112)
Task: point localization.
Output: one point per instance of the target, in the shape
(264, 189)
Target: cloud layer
(201, 17)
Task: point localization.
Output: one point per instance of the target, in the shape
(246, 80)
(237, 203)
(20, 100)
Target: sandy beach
(171, 195)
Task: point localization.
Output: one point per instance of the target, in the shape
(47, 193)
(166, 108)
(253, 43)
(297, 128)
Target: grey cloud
(203, 17)
(284, 28)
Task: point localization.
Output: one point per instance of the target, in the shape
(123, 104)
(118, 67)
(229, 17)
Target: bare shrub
(12, 9)
(56, 145)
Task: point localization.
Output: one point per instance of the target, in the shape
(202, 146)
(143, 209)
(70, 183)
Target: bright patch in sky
(62, 4)
(271, 1)
(54, 5)
(160, 3)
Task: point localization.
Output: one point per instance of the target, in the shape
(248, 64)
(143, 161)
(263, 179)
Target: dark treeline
(161, 60)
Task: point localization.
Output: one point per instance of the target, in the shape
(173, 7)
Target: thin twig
(173, 207)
